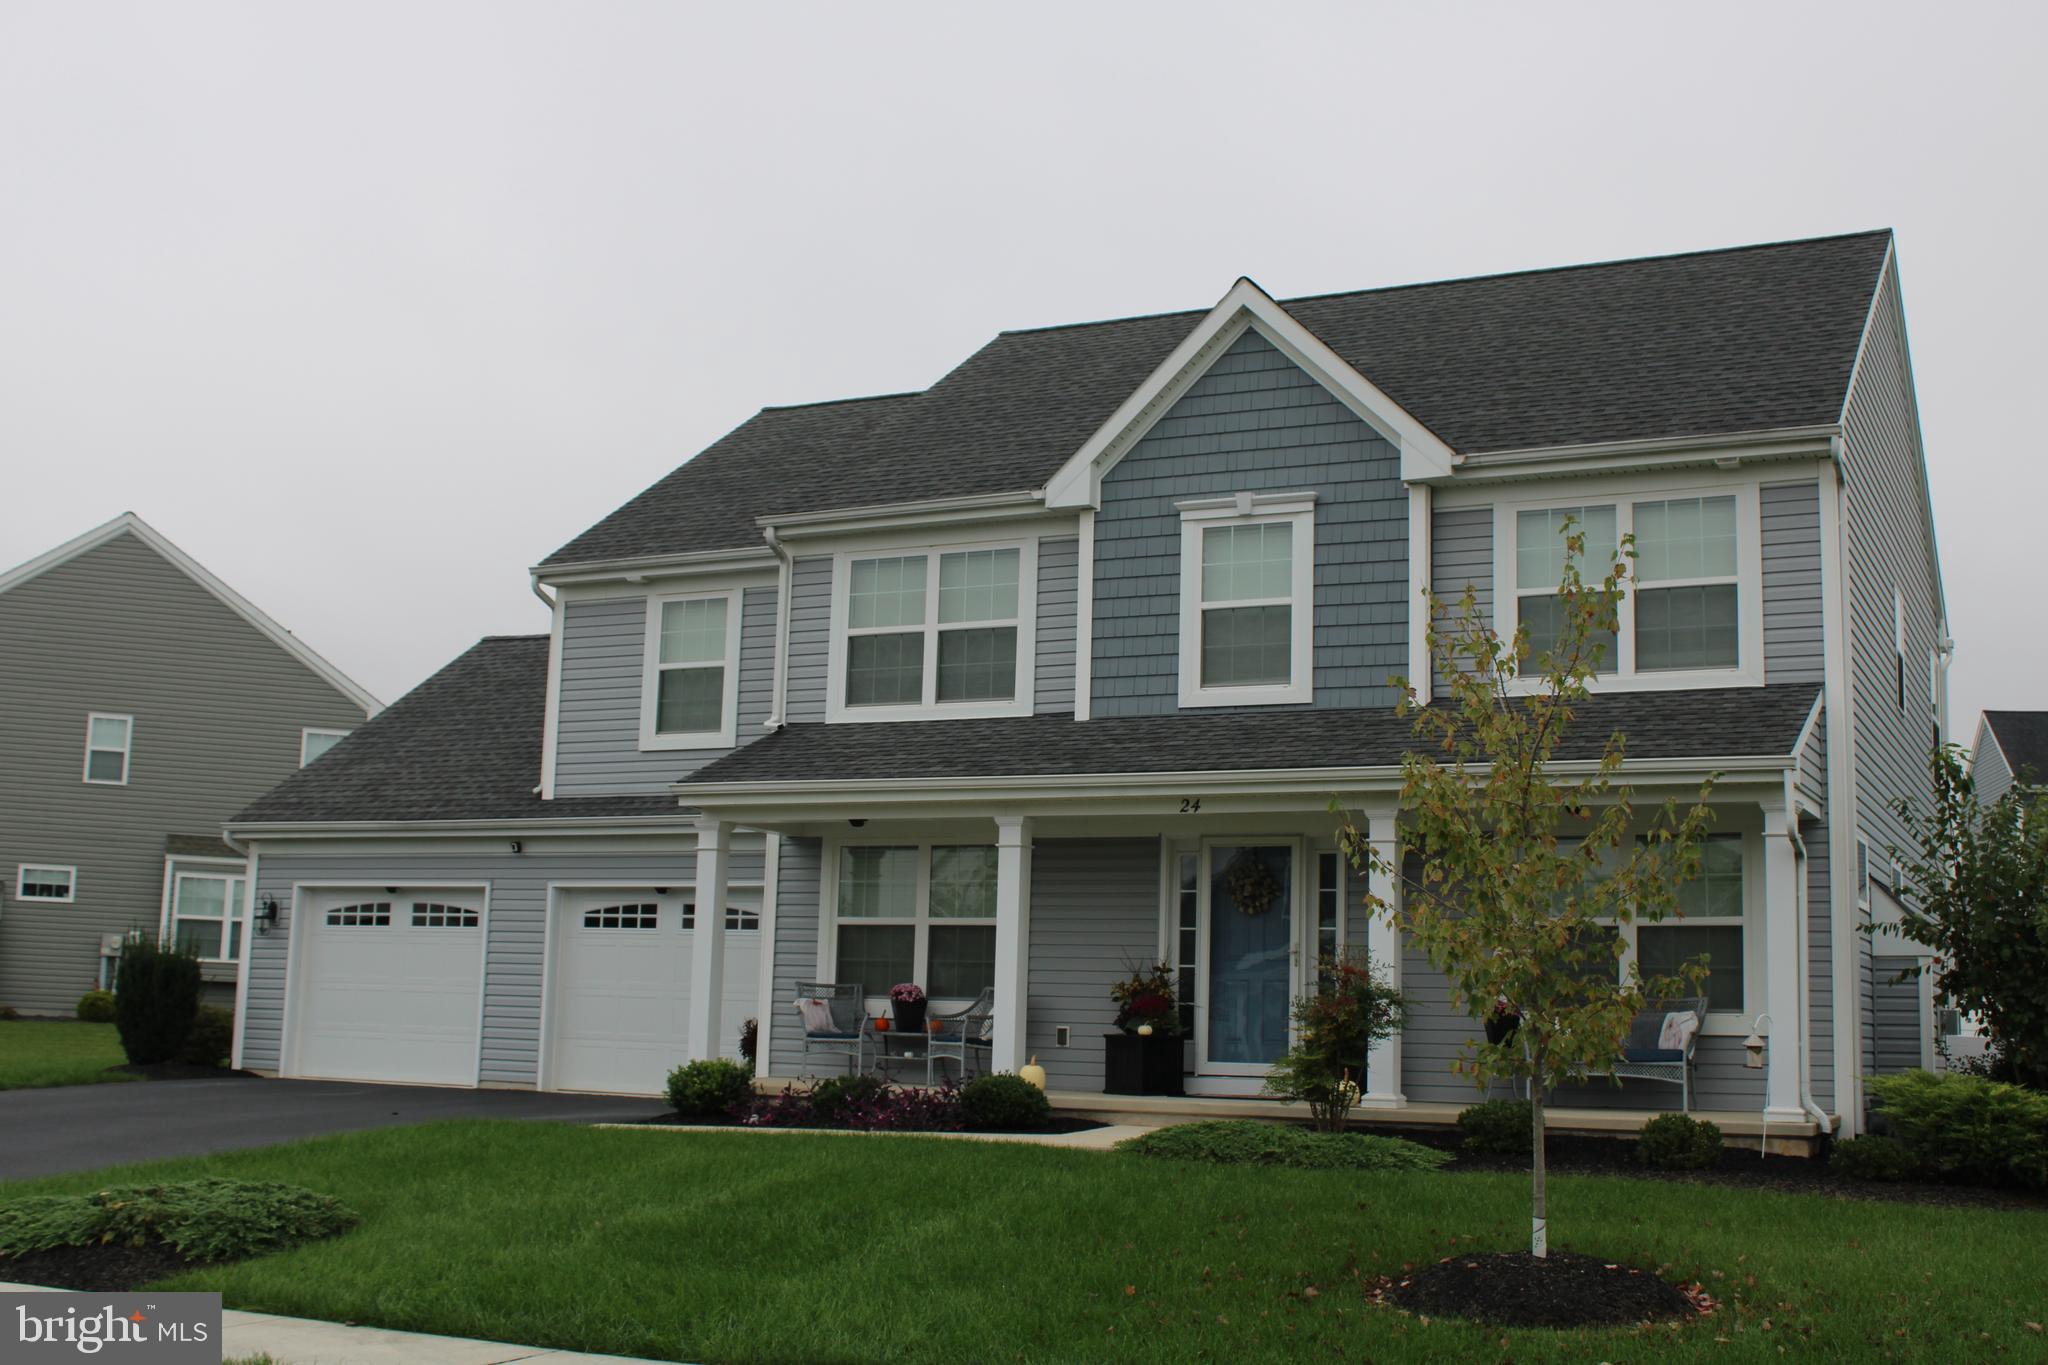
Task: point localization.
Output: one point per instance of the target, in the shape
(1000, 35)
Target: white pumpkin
(1032, 1073)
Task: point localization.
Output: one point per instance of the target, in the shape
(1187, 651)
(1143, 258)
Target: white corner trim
(551, 719)
(1421, 577)
(1248, 509)
(129, 523)
(1084, 619)
(1423, 453)
(651, 669)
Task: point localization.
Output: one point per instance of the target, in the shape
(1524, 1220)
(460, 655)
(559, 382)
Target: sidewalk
(308, 1341)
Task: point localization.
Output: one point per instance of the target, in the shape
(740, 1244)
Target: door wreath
(1252, 886)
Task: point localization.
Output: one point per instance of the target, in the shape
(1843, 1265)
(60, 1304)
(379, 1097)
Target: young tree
(1517, 876)
(1975, 886)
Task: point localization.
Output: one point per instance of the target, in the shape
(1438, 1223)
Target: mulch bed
(181, 1071)
(1743, 1167)
(1057, 1124)
(1564, 1289)
(109, 1269)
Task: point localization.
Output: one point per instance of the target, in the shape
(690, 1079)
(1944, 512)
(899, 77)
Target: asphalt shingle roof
(463, 745)
(1723, 723)
(1712, 343)
(2023, 738)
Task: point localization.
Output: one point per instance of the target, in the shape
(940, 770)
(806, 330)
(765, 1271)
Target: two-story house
(987, 684)
(2010, 749)
(142, 702)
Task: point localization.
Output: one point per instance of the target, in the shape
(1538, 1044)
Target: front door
(1248, 956)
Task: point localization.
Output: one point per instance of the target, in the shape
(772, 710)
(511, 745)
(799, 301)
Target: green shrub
(709, 1087)
(1678, 1142)
(1255, 1142)
(1497, 1128)
(1968, 1128)
(96, 1007)
(156, 998)
(1004, 1101)
(1872, 1157)
(212, 1038)
(833, 1097)
(208, 1220)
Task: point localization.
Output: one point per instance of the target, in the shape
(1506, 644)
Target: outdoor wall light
(518, 847)
(1753, 1045)
(266, 914)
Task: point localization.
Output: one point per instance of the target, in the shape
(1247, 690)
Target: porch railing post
(1783, 961)
(1013, 940)
(707, 955)
(1381, 1083)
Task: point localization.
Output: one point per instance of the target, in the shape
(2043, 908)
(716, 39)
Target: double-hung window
(1710, 922)
(108, 740)
(1692, 614)
(1247, 586)
(205, 915)
(934, 632)
(691, 686)
(923, 913)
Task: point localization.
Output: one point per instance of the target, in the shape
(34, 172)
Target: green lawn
(42, 1052)
(741, 1247)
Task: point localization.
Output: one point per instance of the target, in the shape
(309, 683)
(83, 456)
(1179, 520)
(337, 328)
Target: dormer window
(690, 689)
(929, 633)
(1247, 587)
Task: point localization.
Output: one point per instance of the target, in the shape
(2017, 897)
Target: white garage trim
(300, 929)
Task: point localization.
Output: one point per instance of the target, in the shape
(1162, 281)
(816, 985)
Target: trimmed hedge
(714, 1086)
(1004, 1101)
(1967, 1128)
(1255, 1142)
(1678, 1142)
(208, 1220)
(96, 1007)
(1498, 1128)
(212, 1038)
(1872, 1157)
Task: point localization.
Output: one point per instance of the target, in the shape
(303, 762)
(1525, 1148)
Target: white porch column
(1013, 940)
(707, 949)
(1783, 961)
(1382, 1080)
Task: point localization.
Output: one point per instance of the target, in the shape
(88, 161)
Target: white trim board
(130, 524)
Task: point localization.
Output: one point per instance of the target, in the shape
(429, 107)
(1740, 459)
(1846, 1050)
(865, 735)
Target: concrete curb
(1092, 1139)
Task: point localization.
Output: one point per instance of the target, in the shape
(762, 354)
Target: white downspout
(1800, 894)
(784, 574)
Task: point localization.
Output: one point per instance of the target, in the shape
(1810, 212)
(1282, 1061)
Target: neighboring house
(985, 684)
(142, 702)
(2011, 748)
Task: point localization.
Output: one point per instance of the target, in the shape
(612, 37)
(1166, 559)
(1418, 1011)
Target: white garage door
(388, 985)
(620, 1018)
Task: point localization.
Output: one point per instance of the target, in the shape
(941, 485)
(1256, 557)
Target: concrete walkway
(308, 1341)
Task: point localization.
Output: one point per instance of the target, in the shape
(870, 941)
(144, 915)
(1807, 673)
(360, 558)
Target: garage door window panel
(366, 915)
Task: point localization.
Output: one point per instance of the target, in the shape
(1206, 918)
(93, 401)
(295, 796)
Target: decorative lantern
(1753, 1045)
(1032, 1073)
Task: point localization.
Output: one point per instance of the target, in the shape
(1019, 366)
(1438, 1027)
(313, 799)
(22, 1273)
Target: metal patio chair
(846, 1036)
(1643, 1060)
(963, 1034)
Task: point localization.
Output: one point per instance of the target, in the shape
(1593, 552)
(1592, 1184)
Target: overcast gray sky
(371, 306)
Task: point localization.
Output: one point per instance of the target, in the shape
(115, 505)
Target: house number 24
(1190, 805)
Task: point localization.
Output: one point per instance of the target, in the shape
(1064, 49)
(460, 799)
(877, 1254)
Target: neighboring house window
(934, 632)
(204, 918)
(1693, 611)
(1899, 642)
(691, 686)
(922, 913)
(43, 882)
(1247, 614)
(107, 743)
(314, 743)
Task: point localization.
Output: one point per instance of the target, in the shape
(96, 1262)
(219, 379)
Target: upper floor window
(690, 691)
(1693, 614)
(933, 632)
(314, 743)
(1247, 615)
(107, 742)
(44, 882)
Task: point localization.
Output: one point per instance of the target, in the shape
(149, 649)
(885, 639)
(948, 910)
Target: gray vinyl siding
(1059, 567)
(1254, 422)
(810, 639)
(604, 654)
(218, 707)
(1812, 774)
(1461, 557)
(1820, 947)
(1094, 915)
(1793, 640)
(796, 958)
(1989, 769)
(1897, 1017)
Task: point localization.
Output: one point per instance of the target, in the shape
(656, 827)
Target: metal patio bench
(1642, 1059)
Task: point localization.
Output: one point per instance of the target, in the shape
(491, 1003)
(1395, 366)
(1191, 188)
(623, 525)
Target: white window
(1693, 616)
(1247, 591)
(107, 742)
(1711, 921)
(690, 691)
(44, 882)
(206, 914)
(314, 743)
(920, 913)
(943, 632)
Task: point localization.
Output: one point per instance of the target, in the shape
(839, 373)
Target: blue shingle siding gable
(1255, 422)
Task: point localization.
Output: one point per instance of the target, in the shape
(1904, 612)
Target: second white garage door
(620, 1016)
(388, 984)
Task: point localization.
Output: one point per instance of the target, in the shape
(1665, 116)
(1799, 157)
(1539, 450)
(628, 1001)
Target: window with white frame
(1694, 608)
(45, 882)
(690, 690)
(1247, 614)
(941, 630)
(1710, 922)
(924, 913)
(314, 743)
(108, 739)
(205, 914)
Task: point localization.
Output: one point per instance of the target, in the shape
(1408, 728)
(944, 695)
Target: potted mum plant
(906, 1002)
(1143, 1057)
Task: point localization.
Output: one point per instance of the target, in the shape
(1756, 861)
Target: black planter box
(1141, 1066)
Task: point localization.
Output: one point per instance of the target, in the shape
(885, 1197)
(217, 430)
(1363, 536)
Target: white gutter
(553, 692)
(1799, 899)
(784, 576)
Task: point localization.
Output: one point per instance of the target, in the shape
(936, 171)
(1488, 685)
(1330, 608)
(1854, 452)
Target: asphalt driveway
(81, 1127)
